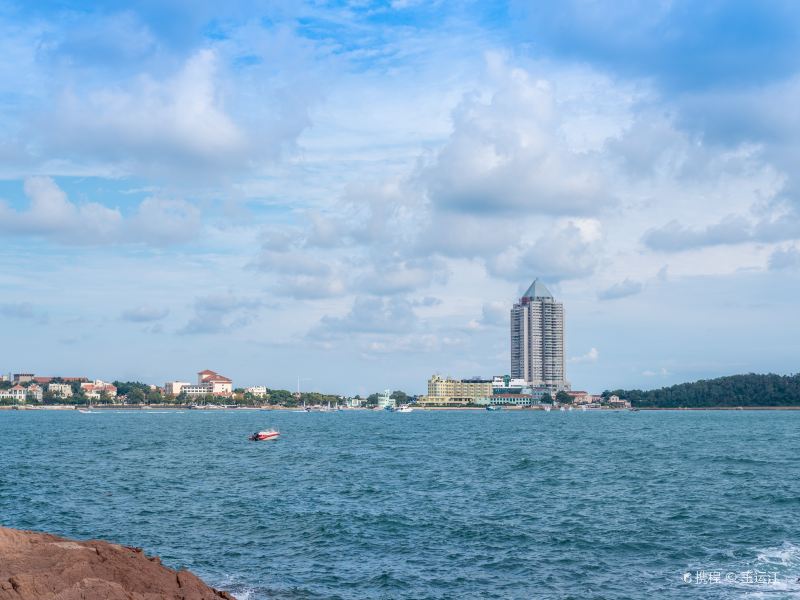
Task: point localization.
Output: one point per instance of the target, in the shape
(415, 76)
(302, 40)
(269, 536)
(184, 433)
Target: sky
(352, 194)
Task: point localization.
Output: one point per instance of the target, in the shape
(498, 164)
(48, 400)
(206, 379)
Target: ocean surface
(455, 504)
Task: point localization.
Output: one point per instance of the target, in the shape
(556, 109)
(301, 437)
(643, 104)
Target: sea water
(449, 504)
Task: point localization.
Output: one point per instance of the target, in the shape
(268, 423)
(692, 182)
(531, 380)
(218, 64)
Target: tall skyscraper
(537, 339)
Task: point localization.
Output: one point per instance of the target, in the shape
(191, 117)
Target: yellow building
(456, 392)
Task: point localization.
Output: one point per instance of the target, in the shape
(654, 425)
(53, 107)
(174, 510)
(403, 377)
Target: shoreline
(149, 407)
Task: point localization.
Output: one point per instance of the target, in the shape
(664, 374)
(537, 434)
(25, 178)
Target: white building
(537, 339)
(174, 388)
(18, 393)
(62, 390)
(35, 392)
(94, 390)
(385, 400)
(259, 391)
(210, 383)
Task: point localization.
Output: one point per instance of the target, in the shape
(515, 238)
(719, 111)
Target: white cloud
(144, 314)
(510, 153)
(221, 313)
(785, 258)
(590, 357)
(622, 289)
(568, 251)
(51, 214)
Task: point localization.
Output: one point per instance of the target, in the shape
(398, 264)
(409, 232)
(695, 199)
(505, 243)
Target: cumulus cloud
(622, 289)
(370, 315)
(144, 314)
(51, 214)
(733, 229)
(494, 314)
(785, 258)
(568, 251)
(221, 313)
(590, 357)
(509, 153)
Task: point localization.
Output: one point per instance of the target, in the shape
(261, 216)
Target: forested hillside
(735, 390)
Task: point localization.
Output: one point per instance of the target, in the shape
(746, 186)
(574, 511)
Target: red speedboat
(263, 436)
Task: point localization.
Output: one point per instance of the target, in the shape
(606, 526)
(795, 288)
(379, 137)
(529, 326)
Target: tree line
(735, 390)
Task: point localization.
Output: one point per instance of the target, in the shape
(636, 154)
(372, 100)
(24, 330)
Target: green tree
(547, 398)
(563, 397)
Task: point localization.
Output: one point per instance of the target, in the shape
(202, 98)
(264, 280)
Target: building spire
(537, 290)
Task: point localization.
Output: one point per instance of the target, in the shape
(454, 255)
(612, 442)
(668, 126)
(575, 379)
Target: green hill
(735, 390)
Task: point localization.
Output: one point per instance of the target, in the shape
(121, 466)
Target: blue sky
(356, 192)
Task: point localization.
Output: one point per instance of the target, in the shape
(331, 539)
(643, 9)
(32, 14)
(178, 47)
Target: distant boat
(547, 409)
(494, 407)
(405, 408)
(562, 409)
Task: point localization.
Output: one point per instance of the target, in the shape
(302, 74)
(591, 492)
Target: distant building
(537, 339)
(34, 392)
(616, 402)
(4, 378)
(504, 384)
(581, 397)
(94, 390)
(23, 377)
(456, 392)
(210, 383)
(18, 393)
(259, 391)
(353, 402)
(385, 400)
(62, 390)
(174, 388)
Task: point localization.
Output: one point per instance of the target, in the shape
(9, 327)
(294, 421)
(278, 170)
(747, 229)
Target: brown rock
(40, 566)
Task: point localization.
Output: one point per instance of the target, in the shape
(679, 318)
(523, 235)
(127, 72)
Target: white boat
(405, 408)
(263, 436)
(562, 409)
(547, 409)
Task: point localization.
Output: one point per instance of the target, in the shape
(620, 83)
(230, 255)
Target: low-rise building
(385, 400)
(581, 397)
(95, 389)
(23, 377)
(62, 390)
(174, 388)
(209, 383)
(259, 391)
(455, 392)
(35, 392)
(18, 393)
(616, 402)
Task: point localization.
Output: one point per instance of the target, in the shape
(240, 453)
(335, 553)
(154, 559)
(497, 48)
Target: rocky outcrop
(46, 567)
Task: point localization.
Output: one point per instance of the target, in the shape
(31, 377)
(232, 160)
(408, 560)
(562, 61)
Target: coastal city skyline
(355, 193)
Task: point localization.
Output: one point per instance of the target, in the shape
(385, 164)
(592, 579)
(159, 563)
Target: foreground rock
(46, 567)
